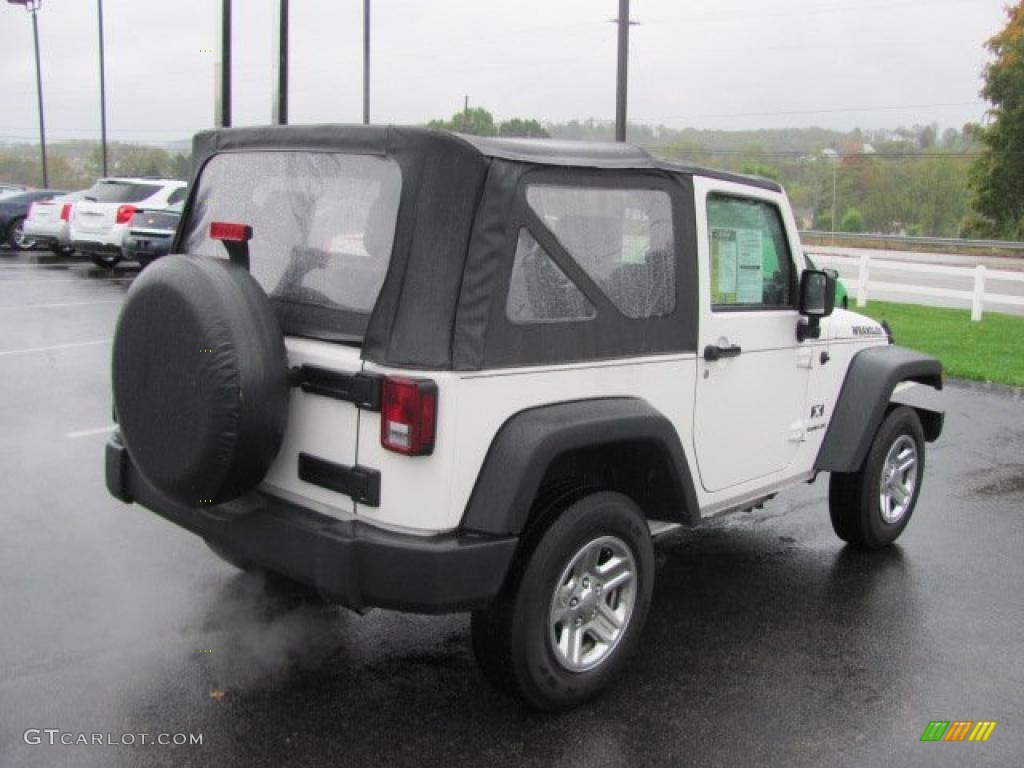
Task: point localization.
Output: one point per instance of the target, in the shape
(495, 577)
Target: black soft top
(457, 193)
(385, 139)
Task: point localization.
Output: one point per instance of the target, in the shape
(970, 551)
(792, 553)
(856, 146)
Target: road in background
(768, 642)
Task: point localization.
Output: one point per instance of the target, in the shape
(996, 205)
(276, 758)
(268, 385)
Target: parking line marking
(66, 304)
(90, 432)
(54, 347)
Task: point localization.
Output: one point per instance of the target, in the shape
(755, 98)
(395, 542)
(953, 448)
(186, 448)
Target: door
(752, 373)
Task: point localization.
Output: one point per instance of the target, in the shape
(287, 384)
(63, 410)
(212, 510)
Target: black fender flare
(529, 441)
(864, 399)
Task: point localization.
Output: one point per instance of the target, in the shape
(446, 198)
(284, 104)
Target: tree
(476, 121)
(997, 178)
(852, 221)
(764, 170)
(530, 129)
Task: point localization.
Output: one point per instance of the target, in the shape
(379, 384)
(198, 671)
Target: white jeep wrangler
(434, 373)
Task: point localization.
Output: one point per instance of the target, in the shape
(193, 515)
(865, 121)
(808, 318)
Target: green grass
(992, 350)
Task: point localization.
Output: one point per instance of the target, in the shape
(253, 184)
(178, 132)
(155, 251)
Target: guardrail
(978, 296)
(922, 242)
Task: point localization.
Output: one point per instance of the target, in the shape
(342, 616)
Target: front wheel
(106, 260)
(871, 507)
(573, 608)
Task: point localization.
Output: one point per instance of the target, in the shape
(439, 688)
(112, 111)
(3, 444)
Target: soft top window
(323, 223)
(120, 192)
(622, 238)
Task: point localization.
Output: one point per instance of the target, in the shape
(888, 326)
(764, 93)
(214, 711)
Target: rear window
(323, 224)
(120, 192)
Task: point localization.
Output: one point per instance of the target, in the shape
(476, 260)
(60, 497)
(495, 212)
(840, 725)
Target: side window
(177, 196)
(540, 292)
(751, 265)
(622, 238)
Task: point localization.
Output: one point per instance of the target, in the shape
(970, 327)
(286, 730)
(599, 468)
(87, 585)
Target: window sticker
(749, 278)
(723, 258)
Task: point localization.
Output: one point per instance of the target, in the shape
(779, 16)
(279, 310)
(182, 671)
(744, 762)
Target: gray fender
(528, 443)
(864, 398)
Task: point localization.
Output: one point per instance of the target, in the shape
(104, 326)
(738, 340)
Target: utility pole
(280, 108)
(103, 92)
(465, 113)
(366, 62)
(222, 70)
(622, 79)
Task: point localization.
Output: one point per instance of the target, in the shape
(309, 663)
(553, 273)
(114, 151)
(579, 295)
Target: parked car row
(115, 219)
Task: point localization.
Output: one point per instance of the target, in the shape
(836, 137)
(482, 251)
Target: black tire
(105, 260)
(855, 499)
(16, 237)
(513, 639)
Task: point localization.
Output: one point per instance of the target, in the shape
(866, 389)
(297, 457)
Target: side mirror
(817, 300)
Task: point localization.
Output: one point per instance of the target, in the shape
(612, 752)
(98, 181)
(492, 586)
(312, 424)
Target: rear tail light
(65, 212)
(408, 416)
(125, 213)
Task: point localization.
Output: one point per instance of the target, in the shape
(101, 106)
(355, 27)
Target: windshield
(109, 191)
(323, 224)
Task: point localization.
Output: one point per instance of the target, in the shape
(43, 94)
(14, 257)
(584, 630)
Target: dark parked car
(151, 233)
(13, 211)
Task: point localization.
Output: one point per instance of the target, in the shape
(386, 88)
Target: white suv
(102, 216)
(431, 372)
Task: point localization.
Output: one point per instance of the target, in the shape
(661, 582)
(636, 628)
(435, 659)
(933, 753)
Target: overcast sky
(704, 63)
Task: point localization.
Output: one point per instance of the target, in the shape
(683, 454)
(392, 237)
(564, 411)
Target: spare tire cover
(200, 378)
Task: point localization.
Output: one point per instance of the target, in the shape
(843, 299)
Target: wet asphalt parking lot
(768, 642)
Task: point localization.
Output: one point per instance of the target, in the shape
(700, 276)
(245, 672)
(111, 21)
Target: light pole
(32, 6)
(366, 62)
(222, 71)
(280, 106)
(103, 92)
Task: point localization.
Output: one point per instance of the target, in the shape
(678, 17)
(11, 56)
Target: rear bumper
(95, 246)
(146, 246)
(347, 562)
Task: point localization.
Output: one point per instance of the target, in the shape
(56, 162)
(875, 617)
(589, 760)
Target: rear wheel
(106, 260)
(574, 605)
(871, 508)
(16, 237)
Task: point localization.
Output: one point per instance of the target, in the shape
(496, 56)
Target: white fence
(980, 278)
